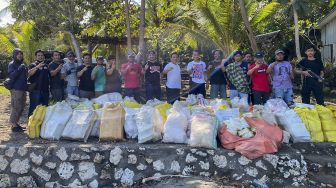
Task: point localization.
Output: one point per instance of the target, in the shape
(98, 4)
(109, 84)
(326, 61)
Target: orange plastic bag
(267, 139)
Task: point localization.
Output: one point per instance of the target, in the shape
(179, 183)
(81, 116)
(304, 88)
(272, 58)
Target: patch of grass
(4, 91)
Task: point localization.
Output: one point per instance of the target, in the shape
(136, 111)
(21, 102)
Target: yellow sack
(328, 121)
(162, 108)
(312, 122)
(35, 121)
(333, 109)
(112, 123)
(130, 104)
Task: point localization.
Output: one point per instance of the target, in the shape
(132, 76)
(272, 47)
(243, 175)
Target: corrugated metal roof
(325, 20)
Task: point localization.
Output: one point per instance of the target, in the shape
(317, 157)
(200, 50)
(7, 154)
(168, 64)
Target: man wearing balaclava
(17, 72)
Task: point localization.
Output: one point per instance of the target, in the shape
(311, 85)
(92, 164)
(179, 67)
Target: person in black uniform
(312, 70)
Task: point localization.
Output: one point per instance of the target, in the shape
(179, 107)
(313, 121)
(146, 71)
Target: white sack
(80, 125)
(53, 126)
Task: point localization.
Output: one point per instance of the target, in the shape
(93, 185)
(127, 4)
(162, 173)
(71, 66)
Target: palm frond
(264, 12)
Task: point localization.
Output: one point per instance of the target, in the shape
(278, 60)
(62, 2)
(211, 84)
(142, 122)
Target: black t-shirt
(315, 66)
(41, 77)
(85, 81)
(218, 78)
(56, 81)
(152, 75)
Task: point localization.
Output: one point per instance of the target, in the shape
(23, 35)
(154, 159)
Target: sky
(5, 17)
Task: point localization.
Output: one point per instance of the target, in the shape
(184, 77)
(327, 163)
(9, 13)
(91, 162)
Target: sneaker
(17, 129)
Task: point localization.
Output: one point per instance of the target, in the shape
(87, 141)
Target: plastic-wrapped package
(130, 122)
(154, 102)
(80, 125)
(192, 99)
(230, 113)
(235, 124)
(293, 124)
(56, 118)
(203, 131)
(276, 105)
(149, 124)
(201, 100)
(175, 128)
(242, 104)
(35, 121)
(219, 104)
(112, 122)
(96, 125)
(266, 140)
(259, 111)
(108, 98)
(163, 108)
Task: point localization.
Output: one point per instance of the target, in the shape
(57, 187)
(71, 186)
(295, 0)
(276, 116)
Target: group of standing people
(246, 77)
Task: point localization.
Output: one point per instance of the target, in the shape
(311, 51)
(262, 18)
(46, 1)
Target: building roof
(325, 20)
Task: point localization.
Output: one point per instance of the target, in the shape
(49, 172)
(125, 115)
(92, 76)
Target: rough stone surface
(22, 151)
(132, 159)
(118, 173)
(187, 170)
(175, 167)
(86, 170)
(115, 155)
(36, 159)
(42, 174)
(20, 167)
(141, 167)
(3, 163)
(251, 171)
(127, 177)
(93, 184)
(190, 158)
(243, 160)
(261, 165)
(130, 165)
(50, 165)
(62, 154)
(4, 180)
(220, 161)
(204, 165)
(105, 175)
(98, 158)
(158, 165)
(10, 152)
(26, 181)
(65, 170)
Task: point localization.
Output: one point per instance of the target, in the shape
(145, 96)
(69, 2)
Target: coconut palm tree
(20, 35)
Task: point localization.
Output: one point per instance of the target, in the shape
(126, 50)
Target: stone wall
(126, 164)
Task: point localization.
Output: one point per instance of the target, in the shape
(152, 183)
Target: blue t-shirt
(244, 66)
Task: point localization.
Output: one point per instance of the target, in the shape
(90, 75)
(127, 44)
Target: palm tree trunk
(247, 24)
(297, 36)
(128, 25)
(142, 44)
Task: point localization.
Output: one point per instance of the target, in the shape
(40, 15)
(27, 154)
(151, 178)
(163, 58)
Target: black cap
(279, 51)
(238, 52)
(100, 58)
(259, 55)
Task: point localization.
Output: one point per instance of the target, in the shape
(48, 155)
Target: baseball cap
(238, 52)
(70, 53)
(259, 55)
(279, 51)
(100, 58)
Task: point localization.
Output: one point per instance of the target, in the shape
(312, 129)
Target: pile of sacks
(197, 122)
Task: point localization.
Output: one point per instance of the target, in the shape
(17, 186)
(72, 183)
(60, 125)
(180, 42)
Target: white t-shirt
(197, 75)
(173, 76)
